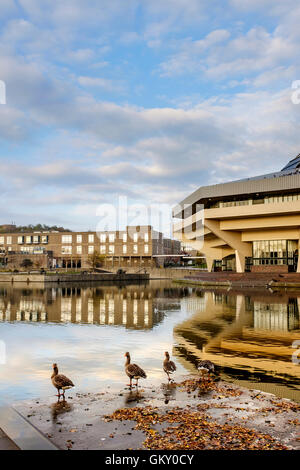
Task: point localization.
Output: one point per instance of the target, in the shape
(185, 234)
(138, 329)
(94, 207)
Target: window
(272, 252)
(66, 250)
(79, 238)
(135, 249)
(111, 249)
(36, 239)
(66, 239)
(135, 237)
(20, 240)
(79, 249)
(91, 238)
(111, 238)
(102, 249)
(1, 240)
(9, 240)
(90, 249)
(44, 238)
(124, 249)
(124, 237)
(146, 248)
(146, 237)
(102, 237)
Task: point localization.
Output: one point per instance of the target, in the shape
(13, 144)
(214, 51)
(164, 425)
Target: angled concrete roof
(286, 179)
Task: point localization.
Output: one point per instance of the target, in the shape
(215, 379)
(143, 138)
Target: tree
(95, 260)
(26, 263)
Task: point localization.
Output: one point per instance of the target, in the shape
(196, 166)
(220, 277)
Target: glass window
(44, 238)
(66, 250)
(9, 240)
(102, 249)
(36, 239)
(1, 240)
(146, 237)
(28, 239)
(124, 249)
(135, 249)
(79, 249)
(124, 237)
(66, 239)
(111, 249)
(20, 240)
(79, 238)
(111, 237)
(135, 237)
(91, 238)
(146, 248)
(90, 249)
(102, 237)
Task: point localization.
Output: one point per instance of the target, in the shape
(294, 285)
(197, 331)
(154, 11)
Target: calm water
(87, 330)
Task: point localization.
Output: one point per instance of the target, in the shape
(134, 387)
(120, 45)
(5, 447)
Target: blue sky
(144, 99)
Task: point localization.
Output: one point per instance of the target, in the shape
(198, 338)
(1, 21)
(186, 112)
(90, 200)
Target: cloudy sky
(144, 99)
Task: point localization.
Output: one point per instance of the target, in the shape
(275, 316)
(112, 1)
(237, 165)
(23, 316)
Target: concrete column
(240, 306)
(298, 264)
(240, 262)
(210, 263)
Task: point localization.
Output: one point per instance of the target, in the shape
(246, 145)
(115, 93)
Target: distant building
(250, 224)
(7, 228)
(130, 248)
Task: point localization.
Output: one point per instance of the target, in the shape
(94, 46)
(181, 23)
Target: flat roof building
(133, 247)
(251, 224)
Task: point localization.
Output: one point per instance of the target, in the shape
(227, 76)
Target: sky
(144, 100)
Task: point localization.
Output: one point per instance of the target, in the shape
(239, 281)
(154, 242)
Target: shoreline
(228, 415)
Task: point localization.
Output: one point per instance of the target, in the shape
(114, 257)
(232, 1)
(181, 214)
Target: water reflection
(249, 338)
(248, 335)
(129, 306)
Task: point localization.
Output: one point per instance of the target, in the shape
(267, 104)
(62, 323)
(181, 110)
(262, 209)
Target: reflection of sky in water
(92, 355)
(238, 333)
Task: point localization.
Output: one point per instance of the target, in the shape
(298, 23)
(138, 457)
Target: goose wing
(135, 371)
(169, 366)
(61, 381)
(206, 365)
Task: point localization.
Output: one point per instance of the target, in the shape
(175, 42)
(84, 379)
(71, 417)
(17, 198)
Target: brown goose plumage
(169, 366)
(205, 368)
(133, 371)
(60, 381)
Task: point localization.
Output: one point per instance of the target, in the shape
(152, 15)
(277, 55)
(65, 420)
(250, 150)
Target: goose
(205, 367)
(133, 371)
(60, 381)
(168, 366)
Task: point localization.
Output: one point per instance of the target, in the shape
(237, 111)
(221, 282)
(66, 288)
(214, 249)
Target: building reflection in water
(131, 306)
(248, 335)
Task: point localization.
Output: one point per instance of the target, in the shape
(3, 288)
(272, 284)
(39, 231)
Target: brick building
(130, 248)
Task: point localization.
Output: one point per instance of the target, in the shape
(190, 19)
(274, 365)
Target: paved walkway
(6, 443)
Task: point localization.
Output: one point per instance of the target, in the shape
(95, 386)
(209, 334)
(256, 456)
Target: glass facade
(280, 198)
(271, 252)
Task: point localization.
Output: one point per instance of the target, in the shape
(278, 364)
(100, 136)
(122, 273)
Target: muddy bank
(185, 415)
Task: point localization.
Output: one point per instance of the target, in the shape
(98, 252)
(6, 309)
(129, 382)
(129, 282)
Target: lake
(86, 330)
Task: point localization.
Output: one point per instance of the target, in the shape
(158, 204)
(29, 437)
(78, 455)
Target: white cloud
(98, 82)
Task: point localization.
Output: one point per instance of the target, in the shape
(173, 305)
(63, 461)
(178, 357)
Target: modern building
(248, 225)
(130, 248)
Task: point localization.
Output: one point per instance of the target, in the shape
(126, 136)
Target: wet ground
(6, 443)
(85, 420)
